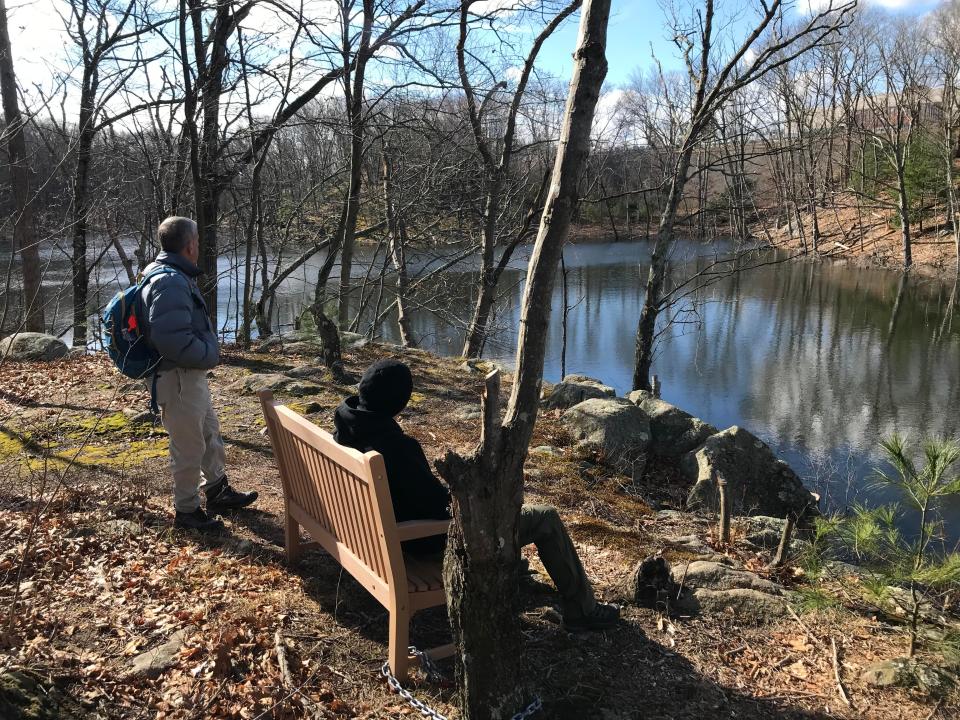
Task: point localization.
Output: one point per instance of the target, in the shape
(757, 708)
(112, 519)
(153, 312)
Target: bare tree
(895, 95)
(945, 28)
(24, 234)
(101, 31)
(762, 50)
(482, 560)
(496, 157)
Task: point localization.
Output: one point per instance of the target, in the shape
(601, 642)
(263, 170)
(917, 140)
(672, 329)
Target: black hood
(357, 427)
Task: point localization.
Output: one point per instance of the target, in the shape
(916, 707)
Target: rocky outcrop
(673, 432)
(158, 660)
(750, 605)
(616, 429)
(32, 346)
(573, 390)
(276, 382)
(719, 576)
(22, 697)
(757, 481)
(907, 672)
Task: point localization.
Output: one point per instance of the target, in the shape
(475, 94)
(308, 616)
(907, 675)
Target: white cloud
(819, 5)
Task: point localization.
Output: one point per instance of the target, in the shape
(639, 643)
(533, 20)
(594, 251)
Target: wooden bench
(340, 496)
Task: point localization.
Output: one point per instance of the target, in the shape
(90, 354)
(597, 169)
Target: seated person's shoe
(198, 520)
(222, 497)
(602, 616)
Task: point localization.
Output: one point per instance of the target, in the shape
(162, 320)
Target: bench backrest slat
(344, 490)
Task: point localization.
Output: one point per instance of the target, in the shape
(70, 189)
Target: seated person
(366, 422)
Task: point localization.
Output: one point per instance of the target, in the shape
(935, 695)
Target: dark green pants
(542, 526)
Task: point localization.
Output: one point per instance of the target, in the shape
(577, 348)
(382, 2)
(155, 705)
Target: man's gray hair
(175, 233)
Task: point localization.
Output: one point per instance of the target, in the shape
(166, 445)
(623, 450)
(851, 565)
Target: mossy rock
(23, 698)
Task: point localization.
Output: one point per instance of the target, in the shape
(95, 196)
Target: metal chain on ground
(532, 709)
(427, 664)
(433, 675)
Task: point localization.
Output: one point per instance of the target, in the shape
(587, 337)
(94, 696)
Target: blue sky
(635, 25)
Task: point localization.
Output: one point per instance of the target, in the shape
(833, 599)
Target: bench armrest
(414, 529)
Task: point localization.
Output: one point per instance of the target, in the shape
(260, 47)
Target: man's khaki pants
(197, 457)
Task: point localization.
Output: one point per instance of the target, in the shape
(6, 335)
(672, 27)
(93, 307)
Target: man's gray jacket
(178, 325)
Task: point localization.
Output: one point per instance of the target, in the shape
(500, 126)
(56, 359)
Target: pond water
(820, 360)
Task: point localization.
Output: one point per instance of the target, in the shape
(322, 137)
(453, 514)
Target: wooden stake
(724, 511)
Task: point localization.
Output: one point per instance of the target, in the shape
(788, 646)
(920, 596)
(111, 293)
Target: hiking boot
(602, 616)
(198, 520)
(222, 497)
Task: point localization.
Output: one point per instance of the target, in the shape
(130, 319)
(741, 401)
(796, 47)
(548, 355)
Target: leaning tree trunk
(477, 330)
(480, 569)
(397, 248)
(646, 327)
(357, 122)
(24, 236)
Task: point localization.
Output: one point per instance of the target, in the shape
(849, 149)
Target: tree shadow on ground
(257, 364)
(613, 675)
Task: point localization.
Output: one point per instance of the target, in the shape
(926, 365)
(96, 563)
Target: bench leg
(399, 641)
(291, 531)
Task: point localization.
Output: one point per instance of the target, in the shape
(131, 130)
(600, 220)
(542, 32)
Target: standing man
(179, 328)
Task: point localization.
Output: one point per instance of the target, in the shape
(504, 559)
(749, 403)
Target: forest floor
(870, 237)
(92, 575)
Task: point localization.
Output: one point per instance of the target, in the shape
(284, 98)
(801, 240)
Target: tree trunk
(480, 569)
(477, 331)
(904, 209)
(646, 328)
(355, 115)
(24, 236)
(81, 184)
(397, 248)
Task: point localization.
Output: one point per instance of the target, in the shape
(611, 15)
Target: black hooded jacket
(417, 494)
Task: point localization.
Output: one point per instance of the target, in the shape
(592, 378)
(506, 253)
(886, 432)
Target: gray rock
(276, 382)
(673, 432)
(717, 576)
(615, 428)
(153, 663)
(748, 604)
(468, 412)
(119, 528)
(32, 346)
(672, 515)
(22, 697)
(757, 481)
(545, 450)
(575, 379)
(906, 672)
(352, 340)
(765, 532)
(837, 569)
(307, 371)
(564, 395)
(271, 342)
(302, 347)
(140, 417)
(481, 367)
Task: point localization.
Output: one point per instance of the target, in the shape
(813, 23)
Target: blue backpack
(123, 323)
